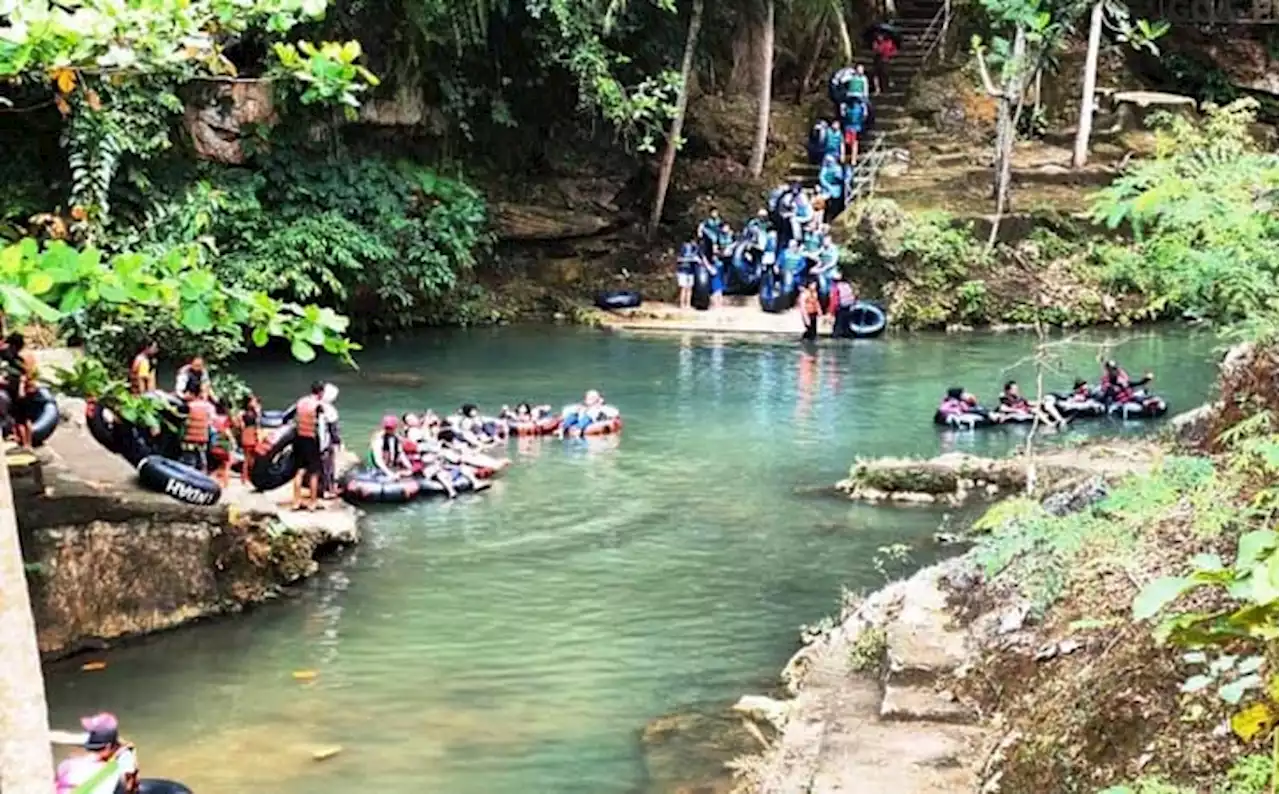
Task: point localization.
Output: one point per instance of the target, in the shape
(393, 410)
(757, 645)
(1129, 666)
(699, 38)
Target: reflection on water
(519, 640)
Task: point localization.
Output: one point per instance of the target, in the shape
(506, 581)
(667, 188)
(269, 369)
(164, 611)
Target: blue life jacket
(833, 141)
(709, 229)
(831, 178)
(803, 209)
(853, 114)
(689, 257)
(792, 260)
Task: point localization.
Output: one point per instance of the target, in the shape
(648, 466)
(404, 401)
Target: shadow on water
(520, 640)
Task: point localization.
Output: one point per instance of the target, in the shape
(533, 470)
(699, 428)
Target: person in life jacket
(708, 232)
(810, 308)
(859, 86)
(386, 450)
(142, 370)
(1116, 385)
(221, 444)
(843, 298)
(831, 180)
(249, 425)
(853, 117)
(953, 404)
(306, 447)
(1012, 404)
(579, 416)
(108, 766)
(685, 263)
(802, 215)
(197, 432)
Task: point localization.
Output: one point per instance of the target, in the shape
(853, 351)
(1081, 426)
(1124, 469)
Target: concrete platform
(739, 316)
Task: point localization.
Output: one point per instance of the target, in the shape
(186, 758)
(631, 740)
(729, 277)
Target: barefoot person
(306, 448)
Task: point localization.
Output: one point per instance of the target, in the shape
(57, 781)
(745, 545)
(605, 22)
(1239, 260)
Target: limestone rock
(221, 112)
(764, 710)
(531, 222)
(922, 704)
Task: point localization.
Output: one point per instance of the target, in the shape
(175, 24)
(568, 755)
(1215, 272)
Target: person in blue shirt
(825, 261)
(853, 116)
(834, 141)
(685, 263)
(708, 232)
(831, 180)
(802, 214)
(792, 258)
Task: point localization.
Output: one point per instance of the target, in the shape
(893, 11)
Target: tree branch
(989, 86)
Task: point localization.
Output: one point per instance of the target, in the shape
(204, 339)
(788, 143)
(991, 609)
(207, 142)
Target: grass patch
(867, 653)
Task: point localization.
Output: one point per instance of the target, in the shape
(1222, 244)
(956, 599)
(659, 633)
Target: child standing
(249, 422)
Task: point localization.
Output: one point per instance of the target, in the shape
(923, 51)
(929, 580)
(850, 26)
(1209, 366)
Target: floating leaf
(90, 667)
(305, 675)
(1248, 723)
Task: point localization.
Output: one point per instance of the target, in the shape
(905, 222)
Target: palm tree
(677, 121)
(26, 763)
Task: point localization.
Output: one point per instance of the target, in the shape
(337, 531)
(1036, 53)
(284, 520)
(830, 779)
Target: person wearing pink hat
(109, 765)
(386, 450)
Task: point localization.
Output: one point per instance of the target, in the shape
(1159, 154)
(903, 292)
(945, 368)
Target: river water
(519, 641)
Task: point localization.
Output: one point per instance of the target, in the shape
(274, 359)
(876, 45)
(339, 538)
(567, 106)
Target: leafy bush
(387, 240)
(1203, 215)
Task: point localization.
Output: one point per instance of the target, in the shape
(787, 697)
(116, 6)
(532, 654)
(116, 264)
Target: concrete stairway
(891, 119)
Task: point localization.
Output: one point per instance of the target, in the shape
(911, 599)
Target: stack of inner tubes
(154, 455)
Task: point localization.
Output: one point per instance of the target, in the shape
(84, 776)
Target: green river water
(519, 641)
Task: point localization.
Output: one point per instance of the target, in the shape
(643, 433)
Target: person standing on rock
(197, 433)
(306, 448)
(810, 308)
(249, 423)
(330, 441)
(686, 262)
(142, 370)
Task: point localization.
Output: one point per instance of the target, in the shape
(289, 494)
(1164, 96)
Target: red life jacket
(199, 419)
(307, 416)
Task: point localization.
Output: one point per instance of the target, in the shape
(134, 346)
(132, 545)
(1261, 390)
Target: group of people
(213, 434)
(444, 448)
(1115, 386)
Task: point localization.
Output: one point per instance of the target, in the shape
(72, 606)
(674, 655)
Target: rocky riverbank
(1052, 655)
(107, 560)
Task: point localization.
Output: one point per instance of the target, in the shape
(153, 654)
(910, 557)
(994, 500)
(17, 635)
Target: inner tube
(274, 464)
(178, 480)
(865, 319)
(604, 427)
(744, 275)
(701, 297)
(270, 420)
(155, 785)
(612, 300)
(101, 424)
(42, 408)
(1077, 408)
(1140, 408)
(771, 299)
(367, 485)
(965, 421)
(538, 427)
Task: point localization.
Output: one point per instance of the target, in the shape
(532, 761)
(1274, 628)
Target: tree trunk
(677, 122)
(756, 166)
(1007, 129)
(26, 760)
(815, 55)
(842, 27)
(1085, 126)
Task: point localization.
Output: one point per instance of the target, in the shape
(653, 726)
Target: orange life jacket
(307, 416)
(248, 430)
(199, 418)
(811, 304)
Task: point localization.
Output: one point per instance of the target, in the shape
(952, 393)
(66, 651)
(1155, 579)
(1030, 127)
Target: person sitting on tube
(386, 450)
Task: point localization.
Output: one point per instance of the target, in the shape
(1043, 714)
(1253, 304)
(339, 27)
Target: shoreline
(109, 561)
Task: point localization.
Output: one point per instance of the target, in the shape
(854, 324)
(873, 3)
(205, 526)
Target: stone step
(923, 704)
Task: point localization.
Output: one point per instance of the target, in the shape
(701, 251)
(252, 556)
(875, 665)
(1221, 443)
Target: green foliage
(1203, 214)
(1039, 553)
(386, 240)
(1251, 774)
(56, 280)
(867, 652)
(92, 380)
(114, 69)
(972, 299)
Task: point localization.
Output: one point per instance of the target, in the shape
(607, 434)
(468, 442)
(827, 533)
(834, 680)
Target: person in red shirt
(883, 50)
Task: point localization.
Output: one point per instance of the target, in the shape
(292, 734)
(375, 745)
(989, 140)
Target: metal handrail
(936, 33)
(862, 180)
